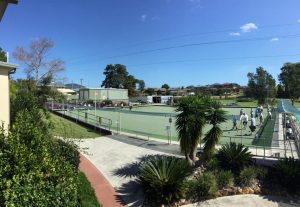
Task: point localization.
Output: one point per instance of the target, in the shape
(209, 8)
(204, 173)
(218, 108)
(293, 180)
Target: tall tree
(3, 57)
(261, 85)
(215, 115)
(141, 84)
(35, 59)
(290, 78)
(117, 76)
(190, 123)
(166, 86)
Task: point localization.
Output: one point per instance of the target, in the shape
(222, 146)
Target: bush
(212, 165)
(234, 157)
(248, 176)
(67, 150)
(31, 175)
(164, 178)
(204, 186)
(288, 170)
(225, 179)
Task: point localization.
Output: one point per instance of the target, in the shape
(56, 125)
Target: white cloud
(298, 20)
(143, 17)
(234, 34)
(275, 39)
(248, 27)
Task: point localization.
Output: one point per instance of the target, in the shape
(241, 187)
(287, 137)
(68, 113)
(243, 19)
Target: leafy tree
(190, 123)
(3, 57)
(215, 116)
(290, 78)
(35, 60)
(281, 93)
(117, 76)
(141, 84)
(150, 91)
(166, 86)
(261, 85)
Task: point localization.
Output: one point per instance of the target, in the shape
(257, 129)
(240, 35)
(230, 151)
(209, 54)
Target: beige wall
(4, 96)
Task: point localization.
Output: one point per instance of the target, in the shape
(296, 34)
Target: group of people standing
(254, 115)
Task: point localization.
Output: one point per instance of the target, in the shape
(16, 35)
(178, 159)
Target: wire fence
(260, 144)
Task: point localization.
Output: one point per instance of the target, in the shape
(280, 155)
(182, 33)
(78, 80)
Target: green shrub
(31, 175)
(204, 186)
(212, 165)
(234, 157)
(164, 178)
(67, 150)
(288, 170)
(247, 176)
(225, 179)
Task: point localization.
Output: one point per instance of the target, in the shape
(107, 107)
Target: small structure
(68, 93)
(116, 95)
(5, 70)
(155, 99)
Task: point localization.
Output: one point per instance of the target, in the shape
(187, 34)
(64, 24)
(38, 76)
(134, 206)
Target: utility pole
(81, 82)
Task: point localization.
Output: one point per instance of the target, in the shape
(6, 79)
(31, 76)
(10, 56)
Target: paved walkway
(105, 193)
(246, 201)
(117, 157)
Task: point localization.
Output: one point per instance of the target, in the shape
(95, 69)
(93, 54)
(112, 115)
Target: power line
(214, 58)
(220, 58)
(193, 34)
(195, 44)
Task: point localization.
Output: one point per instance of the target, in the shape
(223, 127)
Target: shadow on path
(151, 144)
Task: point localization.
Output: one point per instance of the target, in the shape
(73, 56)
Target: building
(5, 70)
(155, 99)
(101, 94)
(68, 93)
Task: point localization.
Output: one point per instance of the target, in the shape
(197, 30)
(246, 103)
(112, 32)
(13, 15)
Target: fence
(260, 145)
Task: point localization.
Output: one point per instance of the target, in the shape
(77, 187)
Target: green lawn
(87, 197)
(242, 104)
(69, 129)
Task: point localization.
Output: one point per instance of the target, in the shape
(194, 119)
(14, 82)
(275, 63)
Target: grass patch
(242, 104)
(87, 197)
(69, 129)
(267, 133)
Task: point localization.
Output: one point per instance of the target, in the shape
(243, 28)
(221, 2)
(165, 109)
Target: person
(261, 118)
(234, 121)
(252, 125)
(289, 133)
(251, 113)
(241, 112)
(245, 120)
(270, 115)
(121, 105)
(288, 123)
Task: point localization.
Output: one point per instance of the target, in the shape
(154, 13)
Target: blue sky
(88, 35)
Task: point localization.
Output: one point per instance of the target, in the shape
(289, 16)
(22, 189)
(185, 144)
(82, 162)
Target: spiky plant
(215, 116)
(234, 157)
(164, 178)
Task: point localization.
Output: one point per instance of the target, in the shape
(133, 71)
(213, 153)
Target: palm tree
(189, 124)
(215, 116)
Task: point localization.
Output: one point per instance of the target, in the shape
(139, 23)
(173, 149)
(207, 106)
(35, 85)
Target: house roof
(3, 5)
(9, 66)
(65, 90)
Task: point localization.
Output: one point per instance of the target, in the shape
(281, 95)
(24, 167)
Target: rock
(251, 191)
(239, 190)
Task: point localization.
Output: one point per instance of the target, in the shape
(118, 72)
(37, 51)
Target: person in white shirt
(245, 120)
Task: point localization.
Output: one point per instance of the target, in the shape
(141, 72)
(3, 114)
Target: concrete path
(117, 157)
(246, 201)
